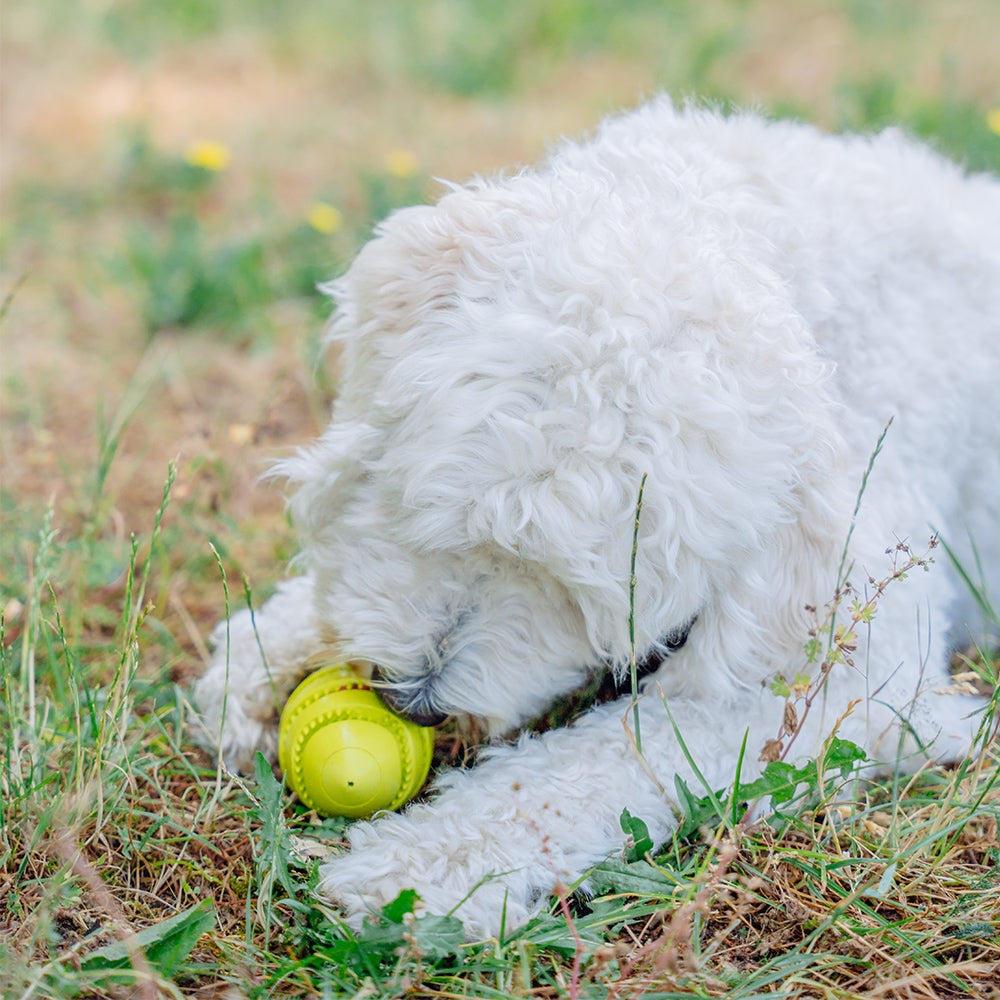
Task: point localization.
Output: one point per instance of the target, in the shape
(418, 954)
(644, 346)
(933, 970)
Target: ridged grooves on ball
(334, 695)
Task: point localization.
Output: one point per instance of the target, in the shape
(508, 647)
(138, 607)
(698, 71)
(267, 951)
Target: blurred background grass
(177, 177)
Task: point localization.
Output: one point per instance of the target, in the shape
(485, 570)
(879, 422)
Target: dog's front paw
(258, 658)
(236, 705)
(489, 864)
(498, 839)
(234, 723)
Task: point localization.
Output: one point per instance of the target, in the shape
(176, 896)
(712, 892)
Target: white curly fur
(731, 306)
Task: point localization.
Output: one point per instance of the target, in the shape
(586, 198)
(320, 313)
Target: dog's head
(515, 360)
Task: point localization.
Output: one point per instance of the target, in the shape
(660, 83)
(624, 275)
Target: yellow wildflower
(208, 155)
(241, 433)
(324, 217)
(993, 120)
(401, 163)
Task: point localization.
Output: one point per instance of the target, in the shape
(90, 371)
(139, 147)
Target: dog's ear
(405, 288)
(403, 270)
(420, 258)
(729, 414)
(523, 401)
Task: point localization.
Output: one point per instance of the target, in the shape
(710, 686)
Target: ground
(175, 181)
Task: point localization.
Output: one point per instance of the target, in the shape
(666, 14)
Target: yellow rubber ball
(343, 752)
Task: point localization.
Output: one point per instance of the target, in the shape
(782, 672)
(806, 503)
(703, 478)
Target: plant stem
(633, 671)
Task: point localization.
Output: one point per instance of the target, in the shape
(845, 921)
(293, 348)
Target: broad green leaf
(639, 833)
(843, 755)
(404, 903)
(166, 944)
(638, 878)
(439, 937)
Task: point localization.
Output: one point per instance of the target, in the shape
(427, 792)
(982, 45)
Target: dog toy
(343, 752)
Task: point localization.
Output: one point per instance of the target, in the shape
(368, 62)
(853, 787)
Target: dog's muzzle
(411, 702)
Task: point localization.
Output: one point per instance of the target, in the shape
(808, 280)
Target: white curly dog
(731, 307)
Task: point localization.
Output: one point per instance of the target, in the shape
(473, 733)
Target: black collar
(667, 644)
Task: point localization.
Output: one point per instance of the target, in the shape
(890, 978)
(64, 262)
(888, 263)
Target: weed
(186, 278)
(955, 126)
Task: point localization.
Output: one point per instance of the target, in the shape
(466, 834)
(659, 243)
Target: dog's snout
(412, 704)
(402, 704)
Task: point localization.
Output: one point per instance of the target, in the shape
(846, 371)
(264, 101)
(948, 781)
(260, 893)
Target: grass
(161, 343)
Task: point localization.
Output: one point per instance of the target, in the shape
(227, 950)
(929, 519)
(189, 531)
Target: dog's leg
(258, 658)
(497, 839)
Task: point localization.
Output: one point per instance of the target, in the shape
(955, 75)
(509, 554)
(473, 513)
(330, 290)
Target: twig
(561, 892)
(679, 932)
(839, 649)
(72, 855)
